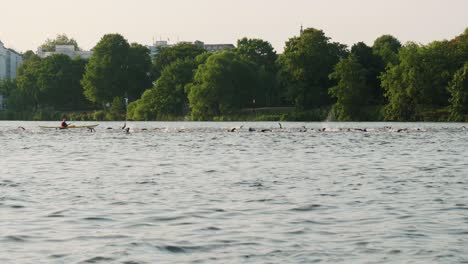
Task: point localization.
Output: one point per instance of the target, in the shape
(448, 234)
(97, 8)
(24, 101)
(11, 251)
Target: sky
(26, 24)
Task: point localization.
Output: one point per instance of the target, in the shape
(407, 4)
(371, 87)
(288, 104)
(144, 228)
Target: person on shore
(64, 123)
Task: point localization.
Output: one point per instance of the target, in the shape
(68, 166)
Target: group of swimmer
(126, 129)
(324, 129)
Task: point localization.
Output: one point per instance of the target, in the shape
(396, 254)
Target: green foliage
(139, 65)
(458, 88)
(27, 55)
(51, 82)
(99, 115)
(171, 98)
(144, 108)
(168, 98)
(117, 110)
(106, 74)
(258, 51)
(437, 64)
(264, 56)
(131, 110)
(7, 87)
(305, 65)
(58, 80)
(402, 83)
(387, 47)
(374, 67)
(420, 77)
(416, 82)
(60, 39)
(352, 92)
(46, 114)
(460, 48)
(28, 94)
(168, 55)
(318, 114)
(116, 69)
(225, 83)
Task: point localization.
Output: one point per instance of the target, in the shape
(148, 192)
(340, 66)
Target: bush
(99, 115)
(309, 115)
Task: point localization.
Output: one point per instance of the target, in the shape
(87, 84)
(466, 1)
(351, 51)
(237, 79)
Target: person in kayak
(64, 123)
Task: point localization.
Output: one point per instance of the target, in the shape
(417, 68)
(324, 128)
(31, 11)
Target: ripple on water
(98, 259)
(16, 206)
(16, 238)
(280, 197)
(306, 208)
(189, 249)
(57, 256)
(97, 218)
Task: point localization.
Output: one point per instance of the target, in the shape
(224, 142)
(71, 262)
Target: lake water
(196, 193)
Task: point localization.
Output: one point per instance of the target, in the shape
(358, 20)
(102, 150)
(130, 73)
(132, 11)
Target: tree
(168, 97)
(116, 109)
(60, 39)
(6, 87)
(439, 64)
(225, 83)
(374, 67)
(458, 88)
(460, 46)
(305, 65)
(264, 56)
(458, 84)
(139, 65)
(403, 84)
(258, 51)
(59, 82)
(27, 55)
(107, 73)
(168, 55)
(143, 109)
(352, 91)
(7, 90)
(28, 93)
(387, 47)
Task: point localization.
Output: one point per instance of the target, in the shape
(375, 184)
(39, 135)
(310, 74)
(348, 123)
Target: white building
(218, 47)
(154, 49)
(9, 62)
(68, 50)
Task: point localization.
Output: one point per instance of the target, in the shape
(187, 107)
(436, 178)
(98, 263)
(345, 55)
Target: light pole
(255, 111)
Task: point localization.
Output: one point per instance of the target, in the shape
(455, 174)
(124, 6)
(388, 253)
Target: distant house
(218, 47)
(214, 47)
(68, 50)
(154, 49)
(9, 62)
(158, 45)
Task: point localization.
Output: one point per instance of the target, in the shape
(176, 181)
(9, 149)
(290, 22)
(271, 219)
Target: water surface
(195, 193)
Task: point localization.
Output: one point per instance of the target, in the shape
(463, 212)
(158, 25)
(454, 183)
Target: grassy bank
(371, 113)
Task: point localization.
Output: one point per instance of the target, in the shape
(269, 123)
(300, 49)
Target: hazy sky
(25, 24)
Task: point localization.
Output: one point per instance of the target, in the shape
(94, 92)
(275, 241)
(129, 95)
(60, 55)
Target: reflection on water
(198, 193)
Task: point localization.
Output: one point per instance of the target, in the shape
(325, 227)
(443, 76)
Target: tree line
(385, 81)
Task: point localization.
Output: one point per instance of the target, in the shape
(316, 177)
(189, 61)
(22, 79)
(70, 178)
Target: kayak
(70, 126)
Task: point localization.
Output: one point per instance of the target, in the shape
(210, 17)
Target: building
(213, 47)
(9, 62)
(154, 49)
(218, 47)
(68, 50)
